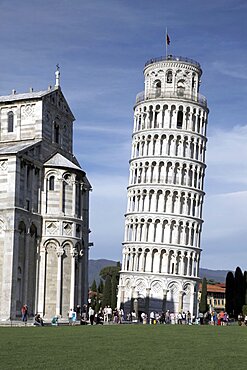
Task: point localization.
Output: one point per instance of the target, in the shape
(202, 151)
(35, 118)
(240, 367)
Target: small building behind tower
(44, 207)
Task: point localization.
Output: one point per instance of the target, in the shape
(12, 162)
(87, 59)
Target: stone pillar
(180, 301)
(26, 267)
(72, 281)
(61, 196)
(37, 273)
(42, 278)
(59, 282)
(74, 200)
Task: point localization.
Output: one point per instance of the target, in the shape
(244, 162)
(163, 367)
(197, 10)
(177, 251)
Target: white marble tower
(161, 248)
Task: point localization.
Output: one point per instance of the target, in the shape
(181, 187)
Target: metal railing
(154, 95)
(173, 58)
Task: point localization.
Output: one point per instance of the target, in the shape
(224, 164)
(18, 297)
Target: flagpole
(166, 42)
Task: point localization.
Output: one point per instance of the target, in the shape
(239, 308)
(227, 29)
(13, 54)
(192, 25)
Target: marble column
(59, 281)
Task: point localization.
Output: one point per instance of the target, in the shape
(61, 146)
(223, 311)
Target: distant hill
(94, 267)
(217, 275)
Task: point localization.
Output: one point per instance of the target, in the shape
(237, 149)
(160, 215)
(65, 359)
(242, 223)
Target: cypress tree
(230, 293)
(245, 288)
(107, 292)
(238, 292)
(101, 286)
(94, 286)
(203, 306)
(114, 285)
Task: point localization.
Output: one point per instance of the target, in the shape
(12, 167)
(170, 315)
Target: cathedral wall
(43, 229)
(26, 123)
(57, 122)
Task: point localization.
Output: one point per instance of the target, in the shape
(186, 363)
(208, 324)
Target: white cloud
(227, 157)
(235, 70)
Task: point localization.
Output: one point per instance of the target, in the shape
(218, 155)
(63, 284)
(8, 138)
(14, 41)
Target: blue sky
(102, 47)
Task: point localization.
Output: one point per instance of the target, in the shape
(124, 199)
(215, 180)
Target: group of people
(105, 315)
(182, 318)
(117, 316)
(242, 320)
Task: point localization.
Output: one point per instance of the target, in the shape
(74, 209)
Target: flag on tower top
(167, 39)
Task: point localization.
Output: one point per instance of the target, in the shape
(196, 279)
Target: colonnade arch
(173, 144)
(61, 288)
(162, 230)
(167, 172)
(168, 200)
(167, 261)
(149, 116)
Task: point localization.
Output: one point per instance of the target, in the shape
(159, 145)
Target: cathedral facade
(163, 222)
(44, 207)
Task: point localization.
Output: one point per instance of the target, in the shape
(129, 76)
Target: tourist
(245, 320)
(172, 318)
(144, 318)
(183, 318)
(162, 318)
(70, 316)
(99, 318)
(167, 317)
(201, 318)
(84, 313)
(152, 317)
(38, 321)
(54, 321)
(24, 310)
(225, 318)
(214, 314)
(133, 316)
(121, 315)
(91, 315)
(188, 318)
(240, 319)
(179, 318)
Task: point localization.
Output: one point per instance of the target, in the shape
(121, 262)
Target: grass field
(124, 347)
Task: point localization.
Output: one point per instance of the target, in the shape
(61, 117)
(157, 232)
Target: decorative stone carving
(3, 165)
(67, 228)
(28, 110)
(52, 228)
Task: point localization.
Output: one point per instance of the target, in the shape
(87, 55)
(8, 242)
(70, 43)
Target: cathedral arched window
(56, 133)
(169, 77)
(52, 183)
(10, 121)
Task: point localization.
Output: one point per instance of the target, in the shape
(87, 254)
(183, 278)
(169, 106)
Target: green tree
(101, 286)
(110, 270)
(114, 285)
(203, 306)
(238, 291)
(230, 293)
(245, 288)
(107, 292)
(94, 286)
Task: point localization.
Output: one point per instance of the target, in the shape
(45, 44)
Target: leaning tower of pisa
(163, 222)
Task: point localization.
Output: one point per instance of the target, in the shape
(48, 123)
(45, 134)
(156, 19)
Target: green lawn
(124, 347)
